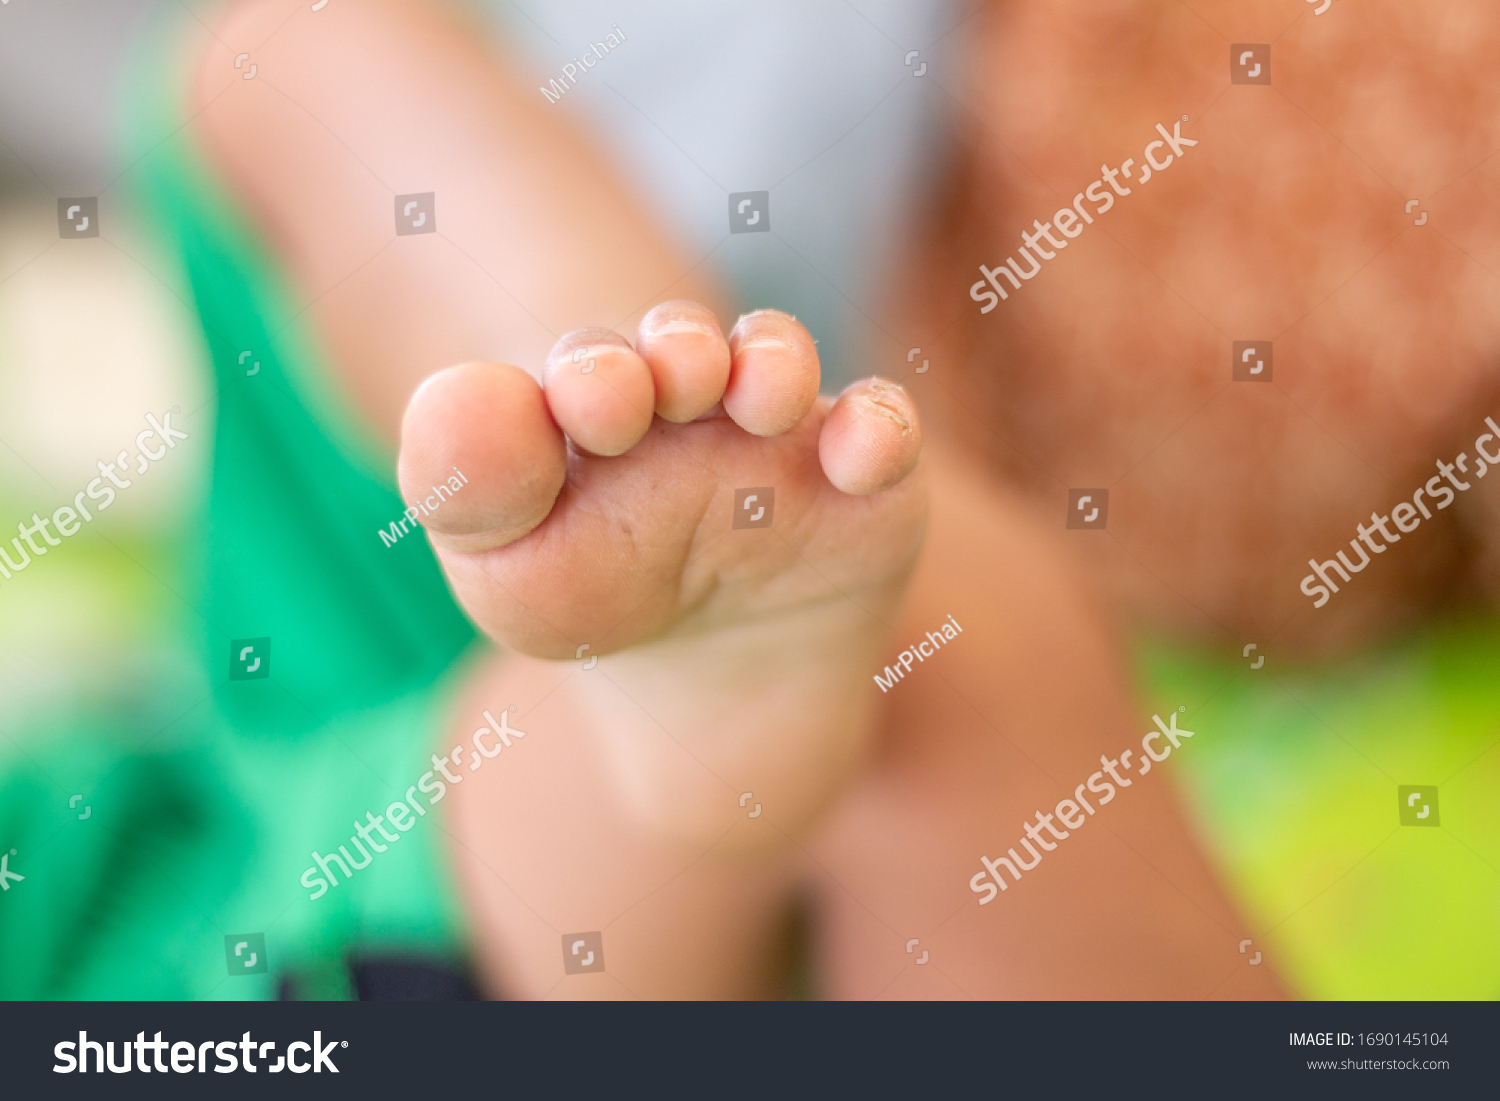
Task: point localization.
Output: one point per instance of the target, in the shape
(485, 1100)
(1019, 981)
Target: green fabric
(207, 805)
(1293, 775)
(207, 796)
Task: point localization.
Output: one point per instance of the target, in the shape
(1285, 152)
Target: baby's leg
(1002, 722)
(727, 655)
(733, 642)
(532, 235)
(547, 842)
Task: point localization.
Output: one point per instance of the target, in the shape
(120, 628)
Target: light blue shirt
(813, 102)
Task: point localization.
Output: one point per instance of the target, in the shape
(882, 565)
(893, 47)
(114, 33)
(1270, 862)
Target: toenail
(890, 410)
(672, 328)
(768, 342)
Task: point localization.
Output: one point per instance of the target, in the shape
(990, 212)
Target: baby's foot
(739, 637)
(632, 528)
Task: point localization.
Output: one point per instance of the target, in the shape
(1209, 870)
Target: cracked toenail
(890, 410)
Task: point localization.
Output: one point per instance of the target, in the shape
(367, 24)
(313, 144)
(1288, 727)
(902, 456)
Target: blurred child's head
(1285, 228)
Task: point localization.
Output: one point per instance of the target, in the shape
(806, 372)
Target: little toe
(871, 438)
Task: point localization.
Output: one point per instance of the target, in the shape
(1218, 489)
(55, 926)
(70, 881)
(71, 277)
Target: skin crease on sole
(655, 810)
(956, 750)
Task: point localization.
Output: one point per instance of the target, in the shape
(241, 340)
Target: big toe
(487, 424)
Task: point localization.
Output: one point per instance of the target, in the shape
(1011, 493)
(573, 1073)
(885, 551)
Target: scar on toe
(885, 408)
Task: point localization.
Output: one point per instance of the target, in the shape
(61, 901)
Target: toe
(600, 391)
(487, 424)
(773, 380)
(871, 438)
(689, 359)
